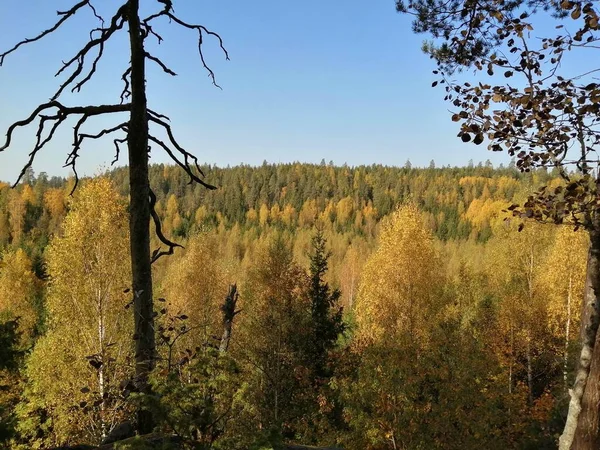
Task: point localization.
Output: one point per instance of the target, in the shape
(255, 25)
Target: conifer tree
(326, 312)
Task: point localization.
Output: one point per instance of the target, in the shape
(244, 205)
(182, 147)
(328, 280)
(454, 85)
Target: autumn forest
(375, 307)
(166, 304)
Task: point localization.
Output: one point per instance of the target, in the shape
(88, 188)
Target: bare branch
(61, 114)
(126, 93)
(98, 16)
(116, 142)
(148, 30)
(167, 12)
(39, 142)
(185, 164)
(157, 225)
(66, 15)
(116, 23)
(158, 115)
(162, 65)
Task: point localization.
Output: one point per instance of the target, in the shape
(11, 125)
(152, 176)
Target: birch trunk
(581, 427)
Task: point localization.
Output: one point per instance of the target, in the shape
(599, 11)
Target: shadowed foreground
(156, 441)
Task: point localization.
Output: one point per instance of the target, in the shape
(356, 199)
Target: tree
(138, 136)
(326, 313)
(195, 288)
(19, 291)
(85, 364)
(16, 216)
(546, 116)
(397, 294)
(274, 331)
(422, 380)
(515, 265)
(564, 279)
(10, 358)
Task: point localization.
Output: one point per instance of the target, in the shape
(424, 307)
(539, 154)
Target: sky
(311, 80)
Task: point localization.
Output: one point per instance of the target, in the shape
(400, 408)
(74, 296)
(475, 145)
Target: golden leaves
(397, 290)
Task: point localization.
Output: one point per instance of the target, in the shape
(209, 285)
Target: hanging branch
(168, 12)
(126, 93)
(158, 229)
(185, 164)
(117, 143)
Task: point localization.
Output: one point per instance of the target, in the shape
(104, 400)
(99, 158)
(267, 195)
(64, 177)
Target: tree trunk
(581, 428)
(101, 386)
(586, 434)
(139, 215)
(529, 373)
(229, 313)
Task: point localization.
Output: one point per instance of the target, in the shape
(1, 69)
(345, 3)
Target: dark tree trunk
(139, 210)
(229, 313)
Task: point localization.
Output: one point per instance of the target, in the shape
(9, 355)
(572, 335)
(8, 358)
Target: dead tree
(229, 313)
(139, 131)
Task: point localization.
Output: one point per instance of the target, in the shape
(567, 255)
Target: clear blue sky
(308, 80)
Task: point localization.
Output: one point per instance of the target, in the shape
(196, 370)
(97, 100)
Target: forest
(367, 307)
(288, 306)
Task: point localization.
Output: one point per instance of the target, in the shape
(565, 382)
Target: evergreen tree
(9, 361)
(326, 312)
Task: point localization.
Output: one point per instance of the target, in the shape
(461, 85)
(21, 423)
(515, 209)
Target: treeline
(373, 308)
(350, 199)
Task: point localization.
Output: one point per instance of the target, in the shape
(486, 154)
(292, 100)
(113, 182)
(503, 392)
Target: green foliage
(10, 357)
(327, 324)
(198, 398)
(9, 338)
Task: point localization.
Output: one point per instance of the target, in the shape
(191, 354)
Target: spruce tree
(326, 312)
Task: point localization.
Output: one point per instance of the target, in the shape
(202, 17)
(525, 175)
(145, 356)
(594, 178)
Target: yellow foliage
(308, 213)
(263, 214)
(563, 278)
(275, 213)
(483, 213)
(251, 215)
(89, 269)
(16, 215)
(28, 195)
(397, 293)
(201, 214)
(344, 210)
(54, 201)
(196, 285)
(288, 216)
(18, 286)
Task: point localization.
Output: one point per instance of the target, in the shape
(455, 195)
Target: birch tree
(397, 292)
(75, 370)
(563, 280)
